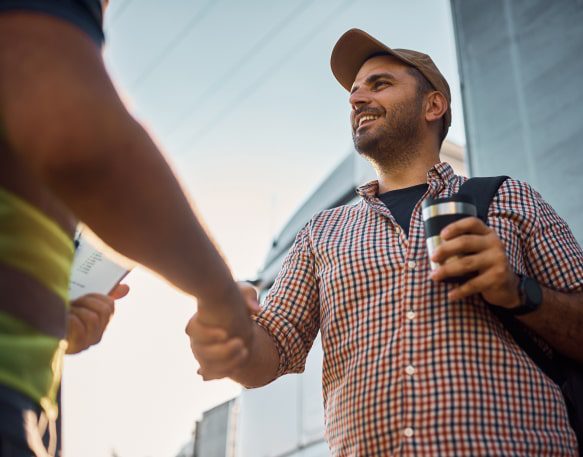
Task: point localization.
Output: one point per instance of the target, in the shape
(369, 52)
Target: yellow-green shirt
(32, 243)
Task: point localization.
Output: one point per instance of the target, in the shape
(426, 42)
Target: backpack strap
(482, 190)
(564, 372)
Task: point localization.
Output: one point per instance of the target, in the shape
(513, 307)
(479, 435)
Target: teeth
(367, 117)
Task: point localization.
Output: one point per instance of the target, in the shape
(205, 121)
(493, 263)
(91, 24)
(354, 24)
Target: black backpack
(566, 373)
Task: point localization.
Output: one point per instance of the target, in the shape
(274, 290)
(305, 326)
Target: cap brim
(351, 51)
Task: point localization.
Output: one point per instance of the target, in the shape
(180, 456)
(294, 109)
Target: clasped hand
(470, 246)
(219, 355)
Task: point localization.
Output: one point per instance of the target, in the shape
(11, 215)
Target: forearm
(75, 135)
(262, 363)
(559, 320)
(131, 199)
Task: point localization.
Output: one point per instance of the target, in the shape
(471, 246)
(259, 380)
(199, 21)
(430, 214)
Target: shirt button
(408, 432)
(411, 264)
(410, 370)
(411, 315)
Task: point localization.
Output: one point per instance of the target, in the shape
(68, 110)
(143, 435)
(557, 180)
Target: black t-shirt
(401, 203)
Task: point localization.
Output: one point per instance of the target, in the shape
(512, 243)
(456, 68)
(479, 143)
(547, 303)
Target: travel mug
(437, 214)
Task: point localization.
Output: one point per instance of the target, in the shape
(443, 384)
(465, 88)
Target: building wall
(522, 87)
(216, 430)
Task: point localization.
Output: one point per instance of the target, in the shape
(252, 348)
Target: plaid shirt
(405, 372)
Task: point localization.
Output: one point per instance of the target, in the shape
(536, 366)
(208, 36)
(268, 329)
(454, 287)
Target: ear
(436, 106)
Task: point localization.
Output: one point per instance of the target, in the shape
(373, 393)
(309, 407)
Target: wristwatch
(531, 297)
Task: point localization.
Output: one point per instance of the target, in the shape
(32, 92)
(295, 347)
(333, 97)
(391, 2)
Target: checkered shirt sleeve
(552, 253)
(291, 316)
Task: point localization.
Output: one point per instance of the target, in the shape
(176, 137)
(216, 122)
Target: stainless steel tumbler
(440, 212)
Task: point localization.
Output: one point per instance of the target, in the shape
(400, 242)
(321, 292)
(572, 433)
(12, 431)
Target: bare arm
(63, 118)
(559, 320)
(262, 363)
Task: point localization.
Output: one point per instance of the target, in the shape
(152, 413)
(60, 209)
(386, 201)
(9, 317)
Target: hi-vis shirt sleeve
(291, 312)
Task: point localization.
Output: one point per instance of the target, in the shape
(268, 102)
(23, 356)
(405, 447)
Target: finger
(224, 371)
(460, 266)
(217, 354)
(103, 305)
(75, 335)
(91, 324)
(204, 334)
(249, 292)
(253, 306)
(473, 286)
(460, 245)
(465, 225)
(119, 291)
(93, 306)
(225, 368)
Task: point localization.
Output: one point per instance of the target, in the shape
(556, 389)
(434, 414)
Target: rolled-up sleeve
(554, 256)
(290, 313)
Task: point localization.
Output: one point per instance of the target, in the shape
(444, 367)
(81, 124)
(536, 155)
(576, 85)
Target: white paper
(92, 271)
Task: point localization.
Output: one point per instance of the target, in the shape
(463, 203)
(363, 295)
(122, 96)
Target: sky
(240, 98)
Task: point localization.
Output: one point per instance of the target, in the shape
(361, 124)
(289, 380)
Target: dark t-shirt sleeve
(84, 14)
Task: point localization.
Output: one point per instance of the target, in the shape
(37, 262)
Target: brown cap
(355, 47)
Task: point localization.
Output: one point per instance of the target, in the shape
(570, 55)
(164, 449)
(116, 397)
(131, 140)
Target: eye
(380, 84)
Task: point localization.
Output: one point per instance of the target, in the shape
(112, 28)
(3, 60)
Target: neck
(410, 174)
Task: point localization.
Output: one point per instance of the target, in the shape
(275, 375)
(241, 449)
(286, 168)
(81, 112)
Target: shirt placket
(414, 271)
(413, 255)
(412, 276)
(408, 252)
(412, 250)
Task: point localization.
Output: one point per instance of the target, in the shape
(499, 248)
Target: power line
(182, 33)
(260, 81)
(266, 39)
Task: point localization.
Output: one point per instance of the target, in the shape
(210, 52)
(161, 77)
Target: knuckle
(499, 274)
(467, 261)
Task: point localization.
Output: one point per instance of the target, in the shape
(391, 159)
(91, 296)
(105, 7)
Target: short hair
(423, 88)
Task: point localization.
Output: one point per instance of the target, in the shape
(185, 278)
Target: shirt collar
(437, 177)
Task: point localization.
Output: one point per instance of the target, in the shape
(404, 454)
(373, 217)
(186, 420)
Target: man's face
(386, 109)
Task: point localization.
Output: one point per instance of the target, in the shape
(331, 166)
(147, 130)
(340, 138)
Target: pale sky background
(240, 96)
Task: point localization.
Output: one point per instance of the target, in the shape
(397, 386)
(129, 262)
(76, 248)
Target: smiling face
(386, 114)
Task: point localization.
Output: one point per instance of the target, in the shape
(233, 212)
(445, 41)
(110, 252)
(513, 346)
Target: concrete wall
(521, 64)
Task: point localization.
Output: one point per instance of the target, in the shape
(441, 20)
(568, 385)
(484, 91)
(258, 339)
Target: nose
(359, 97)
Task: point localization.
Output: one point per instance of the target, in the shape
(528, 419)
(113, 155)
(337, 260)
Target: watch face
(533, 292)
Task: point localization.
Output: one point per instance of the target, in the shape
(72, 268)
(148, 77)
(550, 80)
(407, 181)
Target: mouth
(365, 120)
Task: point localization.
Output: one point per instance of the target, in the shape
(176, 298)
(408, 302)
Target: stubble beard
(394, 144)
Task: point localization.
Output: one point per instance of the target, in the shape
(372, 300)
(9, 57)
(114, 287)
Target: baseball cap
(356, 46)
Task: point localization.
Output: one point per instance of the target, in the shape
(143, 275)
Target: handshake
(219, 354)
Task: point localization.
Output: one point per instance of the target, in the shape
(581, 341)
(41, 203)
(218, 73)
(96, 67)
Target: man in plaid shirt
(414, 365)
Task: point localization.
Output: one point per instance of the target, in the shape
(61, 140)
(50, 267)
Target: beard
(393, 143)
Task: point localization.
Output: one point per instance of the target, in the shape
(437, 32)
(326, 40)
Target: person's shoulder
(337, 213)
(519, 199)
(516, 189)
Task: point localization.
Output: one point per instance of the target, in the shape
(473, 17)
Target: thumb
(250, 294)
(253, 305)
(119, 291)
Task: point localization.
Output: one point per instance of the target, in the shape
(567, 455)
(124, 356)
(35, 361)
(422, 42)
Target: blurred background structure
(241, 98)
(520, 65)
